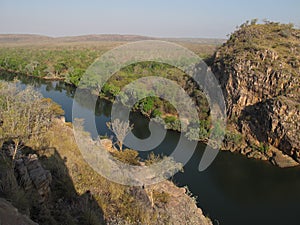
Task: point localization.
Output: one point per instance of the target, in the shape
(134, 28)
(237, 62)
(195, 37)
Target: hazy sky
(162, 18)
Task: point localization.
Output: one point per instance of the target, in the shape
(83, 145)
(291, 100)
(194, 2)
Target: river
(234, 190)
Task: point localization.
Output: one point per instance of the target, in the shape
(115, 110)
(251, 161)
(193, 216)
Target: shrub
(128, 156)
(156, 113)
(234, 137)
(160, 197)
(152, 158)
(264, 148)
(170, 119)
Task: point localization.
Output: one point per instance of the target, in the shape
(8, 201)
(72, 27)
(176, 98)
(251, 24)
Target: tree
(121, 129)
(24, 115)
(254, 21)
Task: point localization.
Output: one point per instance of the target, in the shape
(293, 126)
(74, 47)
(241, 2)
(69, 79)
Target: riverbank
(171, 203)
(233, 142)
(45, 176)
(229, 189)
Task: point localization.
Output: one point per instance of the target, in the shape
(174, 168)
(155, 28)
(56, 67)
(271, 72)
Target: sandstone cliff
(259, 71)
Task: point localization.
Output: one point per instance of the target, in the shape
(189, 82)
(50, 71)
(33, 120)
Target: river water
(234, 190)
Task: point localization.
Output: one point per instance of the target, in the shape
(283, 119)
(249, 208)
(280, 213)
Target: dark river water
(234, 190)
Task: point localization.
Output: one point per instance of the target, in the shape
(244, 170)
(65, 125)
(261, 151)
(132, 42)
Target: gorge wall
(258, 69)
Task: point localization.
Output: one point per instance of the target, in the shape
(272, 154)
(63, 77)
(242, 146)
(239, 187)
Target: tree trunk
(15, 150)
(151, 198)
(121, 145)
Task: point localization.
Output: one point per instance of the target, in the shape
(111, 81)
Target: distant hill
(21, 38)
(103, 37)
(32, 38)
(206, 41)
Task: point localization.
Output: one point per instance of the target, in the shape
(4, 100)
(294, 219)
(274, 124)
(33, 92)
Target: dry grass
(114, 199)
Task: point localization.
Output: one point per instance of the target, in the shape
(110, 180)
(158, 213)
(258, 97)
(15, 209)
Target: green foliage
(156, 113)
(69, 62)
(218, 130)
(198, 131)
(74, 76)
(264, 148)
(172, 122)
(170, 119)
(110, 90)
(152, 158)
(197, 134)
(234, 137)
(128, 156)
(147, 104)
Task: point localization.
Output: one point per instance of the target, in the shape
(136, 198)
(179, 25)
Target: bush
(170, 119)
(128, 156)
(152, 158)
(264, 148)
(160, 197)
(234, 137)
(156, 113)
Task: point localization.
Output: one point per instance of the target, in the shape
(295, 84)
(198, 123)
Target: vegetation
(68, 62)
(65, 60)
(234, 137)
(128, 156)
(24, 115)
(121, 129)
(257, 49)
(258, 68)
(79, 195)
(152, 158)
(262, 147)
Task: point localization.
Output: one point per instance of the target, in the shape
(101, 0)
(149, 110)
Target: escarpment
(259, 72)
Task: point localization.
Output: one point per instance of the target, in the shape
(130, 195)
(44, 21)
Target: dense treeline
(69, 63)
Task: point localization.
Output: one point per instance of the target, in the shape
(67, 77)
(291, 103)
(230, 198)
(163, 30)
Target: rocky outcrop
(258, 69)
(31, 174)
(180, 207)
(171, 204)
(9, 215)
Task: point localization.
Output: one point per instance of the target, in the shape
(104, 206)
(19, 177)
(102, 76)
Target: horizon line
(117, 34)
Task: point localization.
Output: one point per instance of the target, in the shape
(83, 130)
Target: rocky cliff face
(172, 204)
(9, 215)
(259, 71)
(180, 207)
(30, 174)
